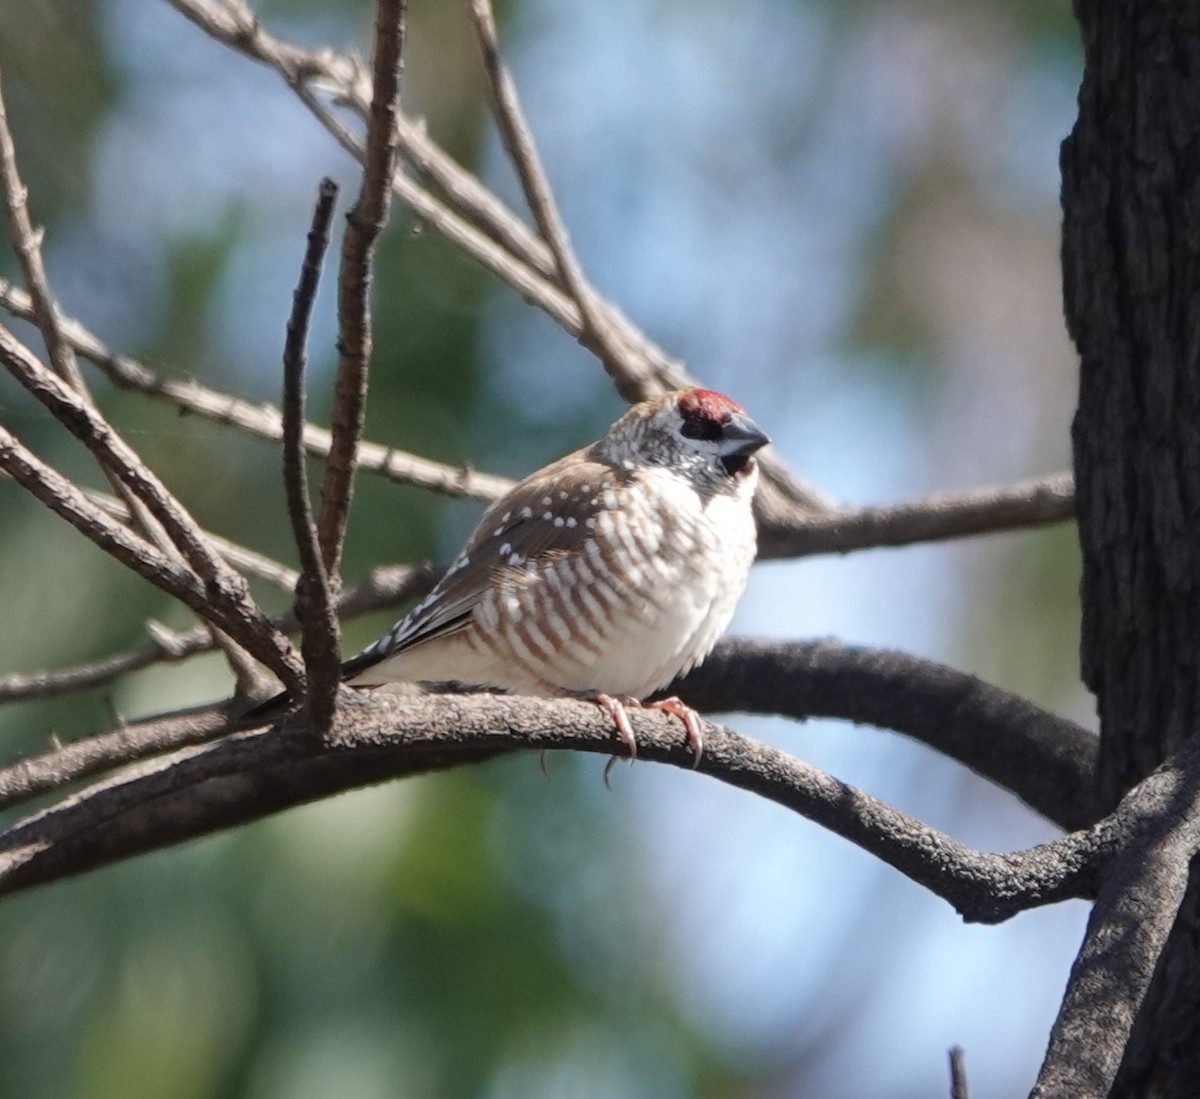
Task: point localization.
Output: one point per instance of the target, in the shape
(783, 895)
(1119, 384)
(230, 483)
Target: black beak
(740, 435)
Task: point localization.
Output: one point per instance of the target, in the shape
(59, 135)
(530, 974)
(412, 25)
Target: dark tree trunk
(1131, 270)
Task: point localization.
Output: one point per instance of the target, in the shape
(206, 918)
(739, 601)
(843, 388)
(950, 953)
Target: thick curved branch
(1045, 760)
(1141, 890)
(96, 754)
(249, 775)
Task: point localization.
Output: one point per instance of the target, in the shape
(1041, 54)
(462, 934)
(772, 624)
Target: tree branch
(927, 519)
(599, 333)
(94, 755)
(27, 244)
(1045, 760)
(246, 776)
(385, 586)
(320, 637)
(785, 533)
(228, 603)
(66, 501)
(958, 1074)
(782, 491)
(1140, 894)
(364, 223)
(245, 560)
(261, 420)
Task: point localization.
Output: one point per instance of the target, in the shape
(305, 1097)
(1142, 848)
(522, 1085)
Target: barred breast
(635, 588)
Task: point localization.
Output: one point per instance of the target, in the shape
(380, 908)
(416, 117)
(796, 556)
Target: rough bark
(1131, 268)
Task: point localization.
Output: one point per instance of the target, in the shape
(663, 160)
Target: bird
(602, 576)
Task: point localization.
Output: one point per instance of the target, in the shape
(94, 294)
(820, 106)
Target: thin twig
(364, 223)
(66, 501)
(229, 604)
(386, 586)
(927, 519)
(958, 1074)
(320, 636)
(650, 371)
(245, 560)
(27, 244)
(599, 333)
(94, 755)
(787, 532)
(261, 420)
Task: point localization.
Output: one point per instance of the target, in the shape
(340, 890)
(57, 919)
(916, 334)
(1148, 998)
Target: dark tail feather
(266, 712)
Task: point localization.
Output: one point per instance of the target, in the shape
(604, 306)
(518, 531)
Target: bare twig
(314, 600)
(958, 1074)
(263, 421)
(787, 532)
(66, 501)
(244, 560)
(364, 223)
(345, 79)
(928, 519)
(648, 370)
(249, 775)
(228, 602)
(599, 333)
(95, 754)
(386, 586)
(27, 243)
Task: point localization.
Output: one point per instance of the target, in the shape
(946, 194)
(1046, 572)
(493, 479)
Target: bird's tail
(266, 712)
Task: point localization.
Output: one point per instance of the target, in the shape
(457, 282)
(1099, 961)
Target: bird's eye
(709, 430)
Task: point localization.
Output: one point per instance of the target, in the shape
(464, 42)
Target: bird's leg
(614, 706)
(690, 719)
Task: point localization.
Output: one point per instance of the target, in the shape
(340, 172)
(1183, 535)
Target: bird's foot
(614, 706)
(690, 719)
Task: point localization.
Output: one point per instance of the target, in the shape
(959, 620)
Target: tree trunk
(1131, 273)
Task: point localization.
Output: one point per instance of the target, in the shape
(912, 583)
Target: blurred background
(844, 213)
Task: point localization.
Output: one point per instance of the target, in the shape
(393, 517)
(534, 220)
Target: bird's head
(697, 433)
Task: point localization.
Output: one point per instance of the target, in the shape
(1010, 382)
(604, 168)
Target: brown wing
(551, 512)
